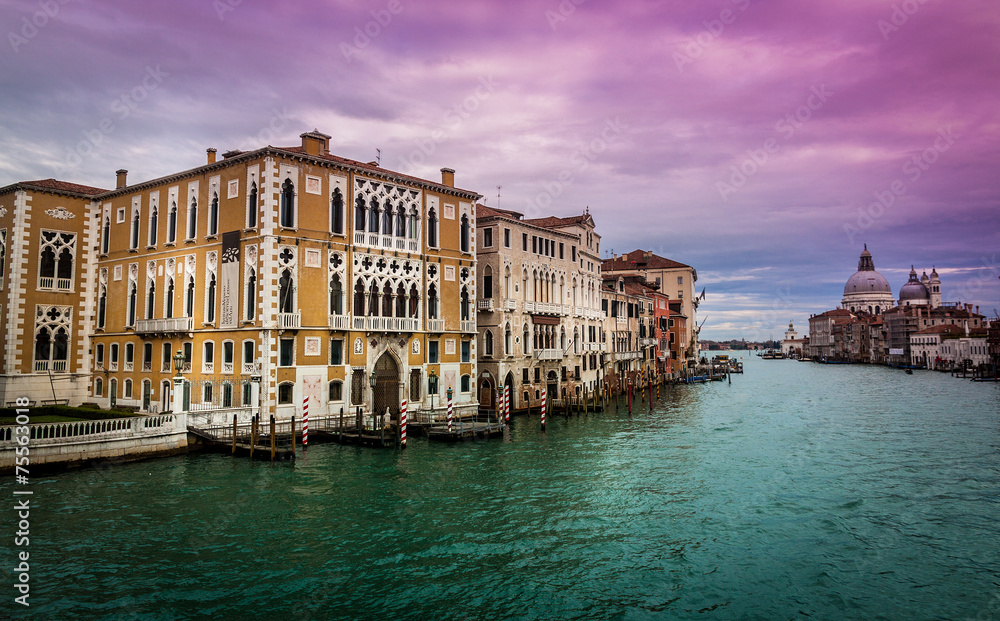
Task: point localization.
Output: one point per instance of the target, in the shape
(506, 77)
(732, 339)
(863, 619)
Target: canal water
(798, 491)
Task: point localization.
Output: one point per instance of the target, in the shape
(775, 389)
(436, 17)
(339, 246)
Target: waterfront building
(821, 332)
(280, 274)
(867, 290)
(674, 279)
(48, 230)
(539, 319)
(624, 303)
(903, 321)
(792, 346)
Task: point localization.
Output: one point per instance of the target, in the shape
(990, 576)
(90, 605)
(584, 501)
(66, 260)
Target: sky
(763, 142)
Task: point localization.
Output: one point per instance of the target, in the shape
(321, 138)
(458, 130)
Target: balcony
(388, 242)
(485, 306)
(468, 325)
(595, 347)
(548, 354)
(435, 325)
(57, 366)
(386, 324)
(164, 326)
(546, 308)
(628, 355)
(645, 342)
(227, 368)
(340, 322)
(510, 304)
(289, 321)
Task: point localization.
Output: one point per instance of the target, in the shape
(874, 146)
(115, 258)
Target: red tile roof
(53, 185)
(942, 329)
(555, 221)
(638, 259)
(482, 211)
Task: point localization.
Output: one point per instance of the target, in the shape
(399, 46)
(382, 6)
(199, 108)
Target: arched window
(98, 388)
(387, 216)
(401, 222)
(285, 393)
(336, 296)
(252, 206)
(336, 391)
(526, 341)
(251, 296)
(172, 223)
(286, 213)
(189, 298)
(150, 298)
(106, 236)
(192, 221)
(400, 301)
(414, 223)
(432, 239)
(465, 384)
(507, 348)
(506, 282)
(337, 212)
(113, 389)
(359, 299)
(464, 304)
(373, 300)
(487, 282)
(286, 284)
(387, 300)
(208, 357)
(562, 339)
(131, 305)
(488, 343)
(134, 237)
(464, 234)
(359, 214)
(373, 216)
(102, 306)
(43, 346)
(213, 215)
(152, 226)
(169, 309)
(210, 300)
(432, 302)
(414, 302)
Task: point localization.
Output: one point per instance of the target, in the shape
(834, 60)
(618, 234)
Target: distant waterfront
(799, 490)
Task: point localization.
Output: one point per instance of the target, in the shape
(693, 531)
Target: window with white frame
(192, 220)
(57, 254)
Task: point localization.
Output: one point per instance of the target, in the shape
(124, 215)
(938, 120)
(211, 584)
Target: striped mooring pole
(402, 424)
(449, 414)
(506, 404)
(305, 422)
(544, 403)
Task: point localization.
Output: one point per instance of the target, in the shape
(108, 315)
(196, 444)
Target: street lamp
(178, 361)
(432, 387)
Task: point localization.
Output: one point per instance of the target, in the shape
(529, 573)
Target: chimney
(315, 143)
(211, 155)
(121, 172)
(448, 177)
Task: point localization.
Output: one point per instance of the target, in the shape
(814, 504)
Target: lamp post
(432, 387)
(178, 401)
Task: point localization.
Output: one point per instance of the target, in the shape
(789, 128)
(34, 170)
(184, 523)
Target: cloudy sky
(761, 141)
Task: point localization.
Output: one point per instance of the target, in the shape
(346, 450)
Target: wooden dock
(464, 432)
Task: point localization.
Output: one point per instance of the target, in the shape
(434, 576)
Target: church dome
(914, 290)
(866, 279)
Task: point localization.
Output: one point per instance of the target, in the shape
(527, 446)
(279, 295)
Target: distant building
(792, 346)
(867, 290)
(821, 332)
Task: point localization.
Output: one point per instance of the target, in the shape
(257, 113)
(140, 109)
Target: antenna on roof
(498, 196)
(378, 157)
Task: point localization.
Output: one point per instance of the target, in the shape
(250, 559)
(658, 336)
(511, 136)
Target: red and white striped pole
(305, 422)
(544, 401)
(402, 424)
(449, 411)
(506, 404)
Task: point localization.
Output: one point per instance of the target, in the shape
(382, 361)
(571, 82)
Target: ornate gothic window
(172, 223)
(213, 215)
(359, 214)
(251, 295)
(55, 263)
(252, 206)
(192, 220)
(432, 239)
(464, 234)
(336, 296)
(286, 213)
(286, 285)
(52, 330)
(106, 236)
(337, 212)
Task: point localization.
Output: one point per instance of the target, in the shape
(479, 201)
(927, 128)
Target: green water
(799, 491)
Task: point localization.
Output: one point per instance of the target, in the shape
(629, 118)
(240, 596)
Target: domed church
(923, 292)
(867, 291)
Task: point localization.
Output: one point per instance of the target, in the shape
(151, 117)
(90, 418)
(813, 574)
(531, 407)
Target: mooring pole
(272, 438)
(234, 434)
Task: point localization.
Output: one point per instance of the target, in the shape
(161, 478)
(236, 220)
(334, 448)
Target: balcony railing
(289, 321)
(548, 354)
(340, 322)
(468, 325)
(391, 324)
(435, 325)
(162, 326)
(147, 367)
(389, 242)
(628, 355)
(128, 367)
(64, 283)
(546, 308)
(486, 305)
(58, 366)
(510, 304)
(646, 342)
(595, 347)
(227, 368)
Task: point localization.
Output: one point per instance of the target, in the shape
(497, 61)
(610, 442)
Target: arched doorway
(552, 388)
(487, 394)
(386, 395)
(509, 387)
